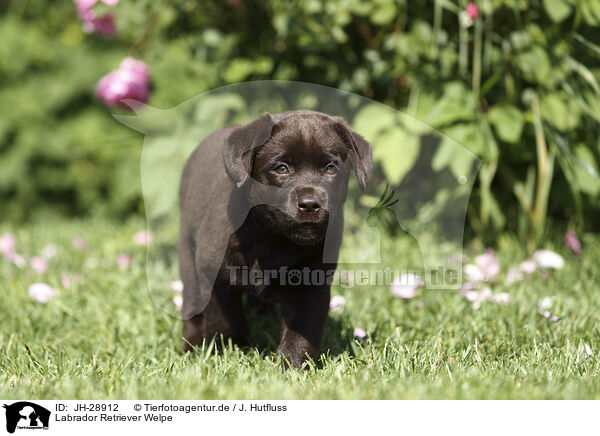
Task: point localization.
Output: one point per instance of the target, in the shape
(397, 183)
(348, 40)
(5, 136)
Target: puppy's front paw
(295, 355)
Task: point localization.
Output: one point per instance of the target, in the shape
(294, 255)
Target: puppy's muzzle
(310, 204)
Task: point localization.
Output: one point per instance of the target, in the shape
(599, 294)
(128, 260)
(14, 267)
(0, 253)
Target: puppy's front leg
(303, 319)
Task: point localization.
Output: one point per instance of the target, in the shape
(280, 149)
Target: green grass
(104, 338)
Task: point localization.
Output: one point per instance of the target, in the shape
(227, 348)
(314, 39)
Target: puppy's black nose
(308, 203)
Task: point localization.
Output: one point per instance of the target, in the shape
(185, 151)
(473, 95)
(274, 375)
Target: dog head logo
(26, 415)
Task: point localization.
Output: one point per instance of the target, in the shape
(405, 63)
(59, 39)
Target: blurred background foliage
(518, 85)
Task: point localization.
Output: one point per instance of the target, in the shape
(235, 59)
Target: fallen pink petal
(142, 238)
(67, 280)
(503, 298)
(548, 259)
(360, 333)
(546, 314)
(513, 275)
(178, 301)
(8, 242)
(473, 273)
(488, 265)
(42, 292)
(49, 251)
(79, 243)
(545, 303)
(123, 260)
(406, 285)
(38, 264)
(528, 266)
(177, 286)
(572, 241)
(16, 259)
(472, 295)
(585, 349)
(336, 303)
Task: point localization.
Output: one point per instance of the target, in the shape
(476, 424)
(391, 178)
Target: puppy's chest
(260, 268)
(261, 256)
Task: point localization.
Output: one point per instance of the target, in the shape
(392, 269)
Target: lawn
(103, 337)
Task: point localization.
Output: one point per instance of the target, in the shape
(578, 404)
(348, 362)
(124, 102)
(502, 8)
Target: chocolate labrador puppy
(260, 205)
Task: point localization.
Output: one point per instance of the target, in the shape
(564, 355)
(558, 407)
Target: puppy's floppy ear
(240, 146)
(359, 150)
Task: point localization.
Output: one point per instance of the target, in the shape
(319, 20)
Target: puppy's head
(302, 163)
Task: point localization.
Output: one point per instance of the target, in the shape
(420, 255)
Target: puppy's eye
(282, 169)
(330, 169)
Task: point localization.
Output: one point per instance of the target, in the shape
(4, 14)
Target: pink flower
(585, 348)
(360, 333)
(142, 238)
(79, 243)
(502, 297)
(8, 243)
(545, 303)
(473, 273)
(67, 279)
(478, 297)
(472, 10)
(528, 266)
(548, 259)
(485, 294)
(42, 292)
(572, 241)
(91, 22)
(488, 264)
(467, 286)
(406, 285)
(129, 82)
(177, 286)
(15, 259)
(548, 315)
(123, 260)
(38, 264)
(49, 251)
(336, 303)
(178, 301)
(471, 295)
(513, 275)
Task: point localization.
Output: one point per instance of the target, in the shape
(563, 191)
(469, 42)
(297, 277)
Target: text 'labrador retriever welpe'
(260, 204)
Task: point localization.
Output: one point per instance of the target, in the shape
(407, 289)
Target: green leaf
(456, 104)
(560, 111)
(584, 72)
(558, 10)
(468, 136)
(586, 170)
(534, 64)
(238, 70)
(373, 119)
(397, 150)
(590, 10)
(383, 12)
(508, 122)
(453, 155)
